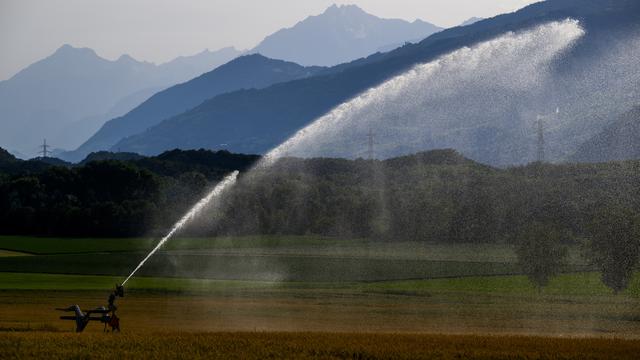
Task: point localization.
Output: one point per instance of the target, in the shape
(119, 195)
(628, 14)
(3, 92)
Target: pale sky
(160, 30)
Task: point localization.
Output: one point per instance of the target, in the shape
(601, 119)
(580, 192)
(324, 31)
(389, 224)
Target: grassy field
(577, 284)
(287, 297)
(253, 267)
(61, 282)
(268, 258)
(296, 245)
(8, 253)
(573, 304)
(308, 346)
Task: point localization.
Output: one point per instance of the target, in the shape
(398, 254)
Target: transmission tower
(370, 143)
(541, 124)
(45, 149)
(541, 139)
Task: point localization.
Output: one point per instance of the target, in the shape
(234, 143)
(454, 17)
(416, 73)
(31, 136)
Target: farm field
(237, 295)
(573, 305)
(297, 245)
(264, 259)
(7, 253)
(578, 284)
(307, 346)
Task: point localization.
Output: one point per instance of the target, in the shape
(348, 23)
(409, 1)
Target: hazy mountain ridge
(340, 34)
(334, 29)
(6, 157)
(471, 21)
(255, 121)
(246, 72)
(618, 141)
(48, 98)
(79, 131)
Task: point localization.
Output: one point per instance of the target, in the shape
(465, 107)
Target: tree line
(107, 198)
(436, 196)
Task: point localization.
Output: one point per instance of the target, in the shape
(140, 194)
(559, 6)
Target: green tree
(614, 245)
(540, 252)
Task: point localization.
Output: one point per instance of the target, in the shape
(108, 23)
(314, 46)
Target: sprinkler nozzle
(120, 290)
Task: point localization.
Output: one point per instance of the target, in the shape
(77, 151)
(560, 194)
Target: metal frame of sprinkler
(106, 316)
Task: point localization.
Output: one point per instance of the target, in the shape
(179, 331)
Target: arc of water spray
(574, 31)
(197, 208)
(549, 39)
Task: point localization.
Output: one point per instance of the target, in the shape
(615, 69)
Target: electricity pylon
(45, 149)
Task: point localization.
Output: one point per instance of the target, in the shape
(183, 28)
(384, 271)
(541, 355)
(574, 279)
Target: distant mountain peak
(207, 52)
(68, 50)
(252, 57)
(342, 33)
(126, 58)
(344, 9)
(331, 9)
(65, 47)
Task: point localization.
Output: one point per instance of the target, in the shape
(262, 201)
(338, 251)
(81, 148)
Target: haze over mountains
(253, 121)
(66, 96)
(330, 34)
(246, 72)
(340, 34)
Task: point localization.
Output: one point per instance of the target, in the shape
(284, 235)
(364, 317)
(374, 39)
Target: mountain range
(66, 96)
(246, 72)
(69, 95)
(328, 33)
(255, 120)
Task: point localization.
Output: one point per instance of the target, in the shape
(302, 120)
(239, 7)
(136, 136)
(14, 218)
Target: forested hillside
(437, 196)
(107, 197)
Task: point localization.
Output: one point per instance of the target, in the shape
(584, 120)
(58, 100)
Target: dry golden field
(335, 310)
(324, 323)
(265, 345)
